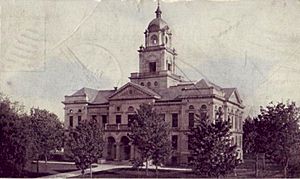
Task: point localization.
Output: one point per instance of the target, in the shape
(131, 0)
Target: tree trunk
(264, 161)
(37, 165)
(146, 167)
(82, 172)
(256, 166)
(91, 173)
(285, 168)
(156, 171)
(46, 160)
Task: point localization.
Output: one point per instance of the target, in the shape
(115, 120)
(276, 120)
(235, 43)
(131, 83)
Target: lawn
(134, 173)
(50, 169)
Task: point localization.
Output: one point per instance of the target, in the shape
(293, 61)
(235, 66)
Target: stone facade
(156, 82)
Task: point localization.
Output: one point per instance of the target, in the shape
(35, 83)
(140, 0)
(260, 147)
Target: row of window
(191, 119)
(149, 83)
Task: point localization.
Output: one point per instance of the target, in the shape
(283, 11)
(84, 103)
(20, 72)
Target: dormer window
(152, 67)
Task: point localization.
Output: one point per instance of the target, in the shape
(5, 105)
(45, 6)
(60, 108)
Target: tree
(46, 133)
(283, 132)
(86, 144)
(212, 153)
(255, 137)
(150, 133)
(15, 140)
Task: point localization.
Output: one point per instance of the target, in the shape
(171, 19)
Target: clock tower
(157, 67)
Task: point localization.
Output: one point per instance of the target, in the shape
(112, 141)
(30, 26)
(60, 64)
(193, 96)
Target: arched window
(149, 84)
(142, 83)
(154, 39)
(191, 107)
(79, 110)
(130, 109)
(155, 83)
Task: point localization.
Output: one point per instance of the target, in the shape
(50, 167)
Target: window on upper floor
(175, 120)
(71, 121)
(130, 119)
(152, 67)
(174, 142)
(203, 112)
(191, 119)
(169, 67)
(118, 119)
(191, 107)
(94, 118)
(79, 119)
(104, 120)
(154, 39)
(163, 116)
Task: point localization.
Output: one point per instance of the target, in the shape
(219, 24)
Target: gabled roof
(229, 92)
(203, 83)
(90, 93)
(102, 96)
(139, 87)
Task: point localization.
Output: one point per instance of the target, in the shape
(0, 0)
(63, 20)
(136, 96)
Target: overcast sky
(53, 48)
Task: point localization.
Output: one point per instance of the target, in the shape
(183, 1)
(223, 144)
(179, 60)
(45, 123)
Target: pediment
(235, 97)
(202, 84)
(132, 91)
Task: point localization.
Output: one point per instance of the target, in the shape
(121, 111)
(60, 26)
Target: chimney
(115, 88)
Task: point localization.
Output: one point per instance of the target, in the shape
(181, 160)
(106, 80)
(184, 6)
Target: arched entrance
(124, 148)
(111, 148)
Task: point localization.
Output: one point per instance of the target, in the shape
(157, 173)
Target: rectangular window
(71, 121)
(104, 120)
(175, 120)
(94, 118)
(79, 119)
(118, 119)
(174, 142)
(130, 118)
(169, 67)
(163, 116)
(190, 142)
(191, 119)
(152, 66)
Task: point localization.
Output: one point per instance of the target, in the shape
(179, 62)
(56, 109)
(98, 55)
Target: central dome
(158, 23)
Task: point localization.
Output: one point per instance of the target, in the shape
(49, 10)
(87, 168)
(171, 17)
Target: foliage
(255, 135)
(86, 144)
(46, 132)
(150, 133)
(212, 153)
(283, 132)
(14, 137)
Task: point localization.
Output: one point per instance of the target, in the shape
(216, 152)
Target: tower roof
(158, 23)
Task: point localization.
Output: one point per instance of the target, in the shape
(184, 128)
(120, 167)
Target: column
(118, 151)
(132, 151)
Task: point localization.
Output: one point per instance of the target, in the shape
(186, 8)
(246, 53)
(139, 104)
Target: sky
(50, 49)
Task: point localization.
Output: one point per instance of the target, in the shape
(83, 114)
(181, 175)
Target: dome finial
(158, 11)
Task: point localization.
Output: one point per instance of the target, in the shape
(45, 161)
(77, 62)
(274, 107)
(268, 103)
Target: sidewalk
(100, 167)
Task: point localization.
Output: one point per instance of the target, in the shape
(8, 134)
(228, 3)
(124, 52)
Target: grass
(134, 173)
(50, 169)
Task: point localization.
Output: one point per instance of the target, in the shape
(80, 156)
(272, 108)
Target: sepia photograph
(149, 89)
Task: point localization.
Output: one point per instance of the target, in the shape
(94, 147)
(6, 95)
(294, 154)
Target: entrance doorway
(125, 148)
(111, 148)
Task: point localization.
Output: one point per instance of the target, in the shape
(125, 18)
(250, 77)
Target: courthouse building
(157, 82)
